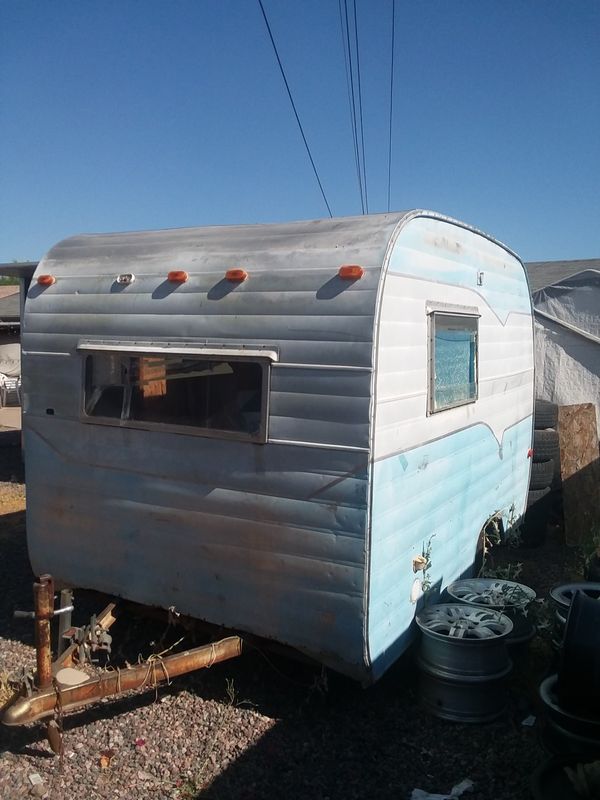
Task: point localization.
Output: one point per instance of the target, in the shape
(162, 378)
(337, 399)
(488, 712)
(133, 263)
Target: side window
(453, 345)
(208, 396)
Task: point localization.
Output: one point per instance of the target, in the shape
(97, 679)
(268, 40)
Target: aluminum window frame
(438, 310)
(264, 358)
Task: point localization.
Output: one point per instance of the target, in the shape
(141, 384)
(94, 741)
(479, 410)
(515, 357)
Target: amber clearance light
(236, 274)
(46, 280)
(177, 276)
(351, 272)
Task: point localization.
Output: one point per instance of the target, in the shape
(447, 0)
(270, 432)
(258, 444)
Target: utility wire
(294, 106)
(351, 107)
(352, 56)
(389, 187)
(360, 110)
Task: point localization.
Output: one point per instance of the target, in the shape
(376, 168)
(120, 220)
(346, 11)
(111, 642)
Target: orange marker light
(46, 280)
(351, 272)
(177, 276)
(236, 274)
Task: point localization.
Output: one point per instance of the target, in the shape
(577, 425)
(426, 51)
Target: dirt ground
(262, 726)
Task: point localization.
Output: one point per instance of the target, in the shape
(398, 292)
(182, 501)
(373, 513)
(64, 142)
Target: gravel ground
(262, 726)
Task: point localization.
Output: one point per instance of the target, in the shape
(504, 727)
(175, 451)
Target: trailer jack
(59, 687)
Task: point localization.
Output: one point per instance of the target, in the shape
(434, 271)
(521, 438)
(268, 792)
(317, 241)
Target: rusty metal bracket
(90, 639)
(64, 622)
(104, 621)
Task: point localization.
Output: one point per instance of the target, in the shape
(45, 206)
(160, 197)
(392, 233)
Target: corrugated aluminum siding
(264, 538)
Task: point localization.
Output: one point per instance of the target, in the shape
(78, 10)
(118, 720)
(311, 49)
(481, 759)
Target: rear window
(453, 360)
(210, 396)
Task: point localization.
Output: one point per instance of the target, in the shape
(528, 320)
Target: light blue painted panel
(445, 254)
(446, 489)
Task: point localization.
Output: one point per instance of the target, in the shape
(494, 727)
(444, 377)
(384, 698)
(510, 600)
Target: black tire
(545, 446)
(534, 497)
(542, 474)
(578, 685)
(556, 478)
(545, 415)
(535, 522)
(592, 571)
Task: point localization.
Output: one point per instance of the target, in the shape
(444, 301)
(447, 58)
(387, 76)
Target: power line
(349, 80)
(351, 95)
(353, 80)
(294, 106)
(389, 188)
(362, 132)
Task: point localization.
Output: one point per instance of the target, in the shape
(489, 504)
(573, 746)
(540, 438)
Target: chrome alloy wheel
(491, 593)
(463, 622)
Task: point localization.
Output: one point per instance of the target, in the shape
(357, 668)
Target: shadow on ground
(16, 578)
(11, 461)
(348, 742)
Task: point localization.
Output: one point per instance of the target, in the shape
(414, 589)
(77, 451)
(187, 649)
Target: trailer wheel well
(492, 533)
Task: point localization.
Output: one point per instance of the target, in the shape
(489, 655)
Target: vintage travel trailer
(264, 426)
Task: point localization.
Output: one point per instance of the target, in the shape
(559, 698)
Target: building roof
(18, 269)
(546, 273)
(10, 302)
(10, 309)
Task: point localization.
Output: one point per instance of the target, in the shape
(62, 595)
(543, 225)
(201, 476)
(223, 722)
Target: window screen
(210, 395)
(453, 377)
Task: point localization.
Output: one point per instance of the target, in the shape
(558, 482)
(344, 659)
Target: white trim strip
(345, 368)
(319, 446)
(433, 307)
(42, 353)
(178, 349)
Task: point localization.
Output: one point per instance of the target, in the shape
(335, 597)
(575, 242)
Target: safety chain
(55, 728)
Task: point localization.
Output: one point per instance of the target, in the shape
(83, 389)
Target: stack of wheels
(544, 471)
(560, 600)
(579, 667)
(463, 662)
(571, 698)
(506, 597)
(565, 732)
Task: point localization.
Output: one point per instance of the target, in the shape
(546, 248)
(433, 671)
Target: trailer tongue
(64, 685)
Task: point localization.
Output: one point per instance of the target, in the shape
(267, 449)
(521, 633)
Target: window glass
(454, 362)
(210, 394)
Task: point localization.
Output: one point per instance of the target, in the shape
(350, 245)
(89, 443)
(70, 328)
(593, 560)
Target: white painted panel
(505, 366)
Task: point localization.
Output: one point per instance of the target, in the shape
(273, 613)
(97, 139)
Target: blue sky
(135, 114)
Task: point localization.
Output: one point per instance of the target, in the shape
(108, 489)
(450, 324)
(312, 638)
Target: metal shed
(263, 426)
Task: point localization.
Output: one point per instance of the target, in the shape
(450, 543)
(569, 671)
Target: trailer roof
(289, 245)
